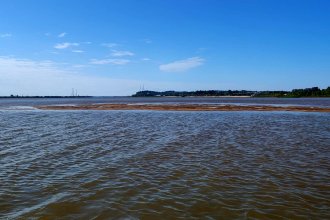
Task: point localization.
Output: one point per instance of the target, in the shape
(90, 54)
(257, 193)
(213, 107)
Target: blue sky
(48, 47)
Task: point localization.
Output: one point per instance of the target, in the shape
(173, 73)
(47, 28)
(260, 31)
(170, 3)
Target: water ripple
(147, 165)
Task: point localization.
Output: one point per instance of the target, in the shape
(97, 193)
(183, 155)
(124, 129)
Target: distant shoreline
(225, 96)
(43, 97)
(75, 97)
(295, 93)
(185, 107)
(314, 92)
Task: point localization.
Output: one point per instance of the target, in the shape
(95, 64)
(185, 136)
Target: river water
(163, 165)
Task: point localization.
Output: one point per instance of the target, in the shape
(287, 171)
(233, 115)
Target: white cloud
(110, 45)
(121, 53)
(30, 77)
(182, 65)
(78, 51)
(65, 45)
(110, 61)
(62, 34)
(5, 35)
(146, 59)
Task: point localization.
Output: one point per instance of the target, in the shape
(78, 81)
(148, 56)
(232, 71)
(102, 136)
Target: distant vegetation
(296, 93)
(308, 92)
(146, 93)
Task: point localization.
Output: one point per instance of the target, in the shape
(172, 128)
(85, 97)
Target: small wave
(18, 108)
(52, 199)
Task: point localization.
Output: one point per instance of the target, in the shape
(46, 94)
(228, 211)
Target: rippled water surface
(164, 165)
(15, 103)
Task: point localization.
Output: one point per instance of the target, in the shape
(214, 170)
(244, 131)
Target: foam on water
(17, 108)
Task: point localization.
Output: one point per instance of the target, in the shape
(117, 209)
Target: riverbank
(185, 107)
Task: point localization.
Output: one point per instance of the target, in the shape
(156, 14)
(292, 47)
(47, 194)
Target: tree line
(307, 92)
(147, 93)
(296, 93)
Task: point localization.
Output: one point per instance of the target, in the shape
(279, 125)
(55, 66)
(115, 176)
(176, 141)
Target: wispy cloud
(147, 41)
(110, 45)
(109, 61)
(78, 51)
(121, 53)
(182, 65)
(62, 34)
(146, 59)
(5, 35)
(78, 66)
(32, 77)
(65, 45)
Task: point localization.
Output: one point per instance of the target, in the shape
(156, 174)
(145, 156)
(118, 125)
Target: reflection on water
(150, 165)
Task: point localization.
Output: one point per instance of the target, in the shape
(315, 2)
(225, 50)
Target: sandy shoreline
(186, 107)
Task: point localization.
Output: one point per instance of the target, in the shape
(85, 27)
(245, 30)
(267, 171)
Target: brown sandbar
(186, 107)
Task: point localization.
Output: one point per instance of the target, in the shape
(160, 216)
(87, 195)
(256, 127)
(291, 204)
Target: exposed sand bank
(186, 107)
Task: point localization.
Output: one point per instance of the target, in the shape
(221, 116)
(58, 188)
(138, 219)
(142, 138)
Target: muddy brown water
(164, 165)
